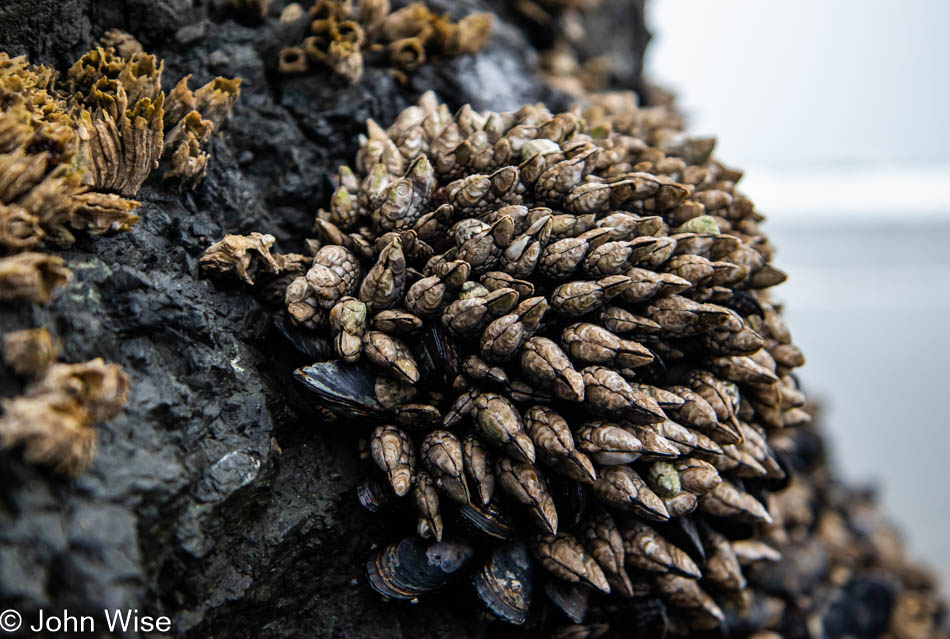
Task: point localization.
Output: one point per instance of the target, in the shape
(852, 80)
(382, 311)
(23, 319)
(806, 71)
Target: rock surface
(212, 501)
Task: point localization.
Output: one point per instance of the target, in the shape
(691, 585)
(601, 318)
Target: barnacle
(245, 255)
(61, 147)
(42, 157)
(71, 154)
(123, 42)
(33, 277)
(54, 420)
(559, 25)
(560, 309)
(560, 327)
(30, 351)
(191, 117)
(343, 35)
(122, 115)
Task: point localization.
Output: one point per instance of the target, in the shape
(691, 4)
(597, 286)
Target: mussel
(504, 582)
(413, 566)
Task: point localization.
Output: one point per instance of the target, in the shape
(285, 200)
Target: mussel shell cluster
(556, 330)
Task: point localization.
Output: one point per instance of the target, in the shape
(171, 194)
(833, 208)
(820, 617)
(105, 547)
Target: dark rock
(211, 501)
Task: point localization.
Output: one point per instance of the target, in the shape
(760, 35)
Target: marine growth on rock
(343, 34)
(54, 420)
(556, 331)
(73, 151)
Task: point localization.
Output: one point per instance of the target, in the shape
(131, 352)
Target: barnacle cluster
(559, 24)
(120, 106)
(44, 158)
(70, 156)
(842, 569)
(559, 326)
(73, 152)
(190, 119)
(54, 420)
(342, 34)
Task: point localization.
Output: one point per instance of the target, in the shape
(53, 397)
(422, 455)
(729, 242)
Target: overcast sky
(812, 82)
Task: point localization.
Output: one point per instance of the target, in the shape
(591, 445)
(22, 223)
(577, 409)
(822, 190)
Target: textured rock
(211, 500)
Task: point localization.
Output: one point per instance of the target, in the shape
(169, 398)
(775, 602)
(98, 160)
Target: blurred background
(837, 112)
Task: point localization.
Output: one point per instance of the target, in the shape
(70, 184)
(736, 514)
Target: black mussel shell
(374, 495)
(437, 356)
(313, 345)
(346, 389)
(414, 566)
(504, 582)
(684, 533)
(489, 520)
(570, 598)
(570, 499)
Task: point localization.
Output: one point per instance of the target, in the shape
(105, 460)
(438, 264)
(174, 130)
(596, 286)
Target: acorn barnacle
(556, 332)
(342, 34)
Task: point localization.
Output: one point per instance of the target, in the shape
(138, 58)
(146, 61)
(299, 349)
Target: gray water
(869, 305)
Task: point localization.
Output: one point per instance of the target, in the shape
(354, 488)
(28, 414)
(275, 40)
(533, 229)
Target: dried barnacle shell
(33, 277)
(45, 157)
(292, 60)
(407, 54)
(412, 34)
(242, 255)
(53, 429)
(189, 121)
(54, 420)
(101, 213)
(102, 389)
(472, 34)
(123, 42)
(126, 135)
(30, 351)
